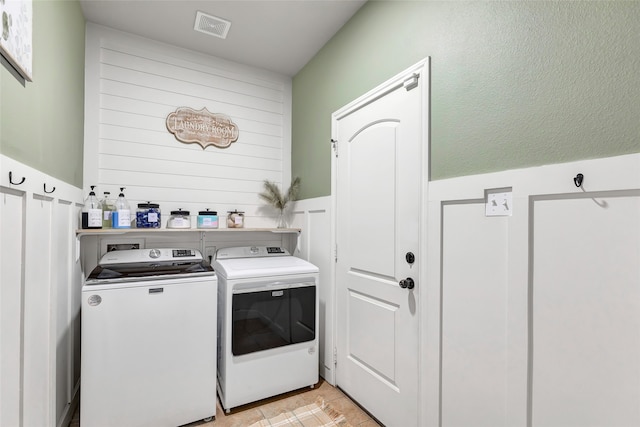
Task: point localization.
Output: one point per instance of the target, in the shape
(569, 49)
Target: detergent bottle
(121, 216)
(92, 211)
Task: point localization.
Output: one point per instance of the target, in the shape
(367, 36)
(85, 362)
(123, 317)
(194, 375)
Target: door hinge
(335, 356)
(411, 82)
(334, 144)
(335, 253)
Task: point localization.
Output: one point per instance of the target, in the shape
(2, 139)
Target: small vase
(282, 220)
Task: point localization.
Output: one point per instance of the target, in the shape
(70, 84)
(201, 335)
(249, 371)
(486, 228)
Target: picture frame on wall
(17, 35)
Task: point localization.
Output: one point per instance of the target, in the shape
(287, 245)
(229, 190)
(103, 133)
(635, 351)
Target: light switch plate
(498, 202)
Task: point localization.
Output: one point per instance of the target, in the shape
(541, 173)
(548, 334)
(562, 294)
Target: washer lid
(147, 271)
(147, 264)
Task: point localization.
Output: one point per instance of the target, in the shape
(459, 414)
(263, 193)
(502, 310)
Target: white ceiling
(277, 35)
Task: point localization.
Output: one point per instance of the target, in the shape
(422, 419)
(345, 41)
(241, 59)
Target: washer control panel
(182, 253)
(144, 255)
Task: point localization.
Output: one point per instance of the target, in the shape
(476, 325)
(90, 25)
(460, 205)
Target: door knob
(407, 283)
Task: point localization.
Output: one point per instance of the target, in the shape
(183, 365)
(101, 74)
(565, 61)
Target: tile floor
(246, 415)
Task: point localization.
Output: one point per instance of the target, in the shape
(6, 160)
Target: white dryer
(267, 323)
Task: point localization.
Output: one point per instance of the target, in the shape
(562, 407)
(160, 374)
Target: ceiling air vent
(211, 25)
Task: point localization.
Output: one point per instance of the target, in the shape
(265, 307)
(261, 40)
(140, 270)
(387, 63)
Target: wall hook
(15, 183)
(578, 180)
(45, 189)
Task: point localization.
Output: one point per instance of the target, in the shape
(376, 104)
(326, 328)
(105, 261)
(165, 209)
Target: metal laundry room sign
(201, 126)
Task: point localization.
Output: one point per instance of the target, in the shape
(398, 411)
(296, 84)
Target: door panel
(381, 155)
(371, 202)
(367, 313)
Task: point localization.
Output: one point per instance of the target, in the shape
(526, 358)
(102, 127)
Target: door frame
(421, 71)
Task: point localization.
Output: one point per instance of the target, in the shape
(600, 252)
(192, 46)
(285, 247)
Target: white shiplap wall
(132, 84)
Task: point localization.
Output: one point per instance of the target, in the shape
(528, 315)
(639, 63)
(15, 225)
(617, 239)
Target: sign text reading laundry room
(201, 126)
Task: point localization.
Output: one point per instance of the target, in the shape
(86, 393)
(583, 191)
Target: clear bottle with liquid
(108, 207)
(92, 211)
(121, 216)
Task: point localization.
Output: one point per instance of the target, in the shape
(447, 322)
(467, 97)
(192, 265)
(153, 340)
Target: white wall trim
(313, 217)
(606, 177)
(36, 225)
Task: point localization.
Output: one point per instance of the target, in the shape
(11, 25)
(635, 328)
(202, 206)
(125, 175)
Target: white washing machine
(267, 324)
(148, 352)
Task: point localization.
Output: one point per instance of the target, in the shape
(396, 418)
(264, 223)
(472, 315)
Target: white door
(380, 176)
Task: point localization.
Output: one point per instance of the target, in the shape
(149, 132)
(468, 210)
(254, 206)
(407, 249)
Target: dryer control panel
(251, 252)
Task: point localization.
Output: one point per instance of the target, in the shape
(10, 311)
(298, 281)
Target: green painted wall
(42, 122)
(513, 84)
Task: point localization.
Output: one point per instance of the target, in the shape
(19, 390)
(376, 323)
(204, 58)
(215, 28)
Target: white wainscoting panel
(313, 217)
(132, 84)
(474, 315)
(11, 305)
(39, 297)
(66, 296)
(39, 346)
(533, 319)
(585, 309)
